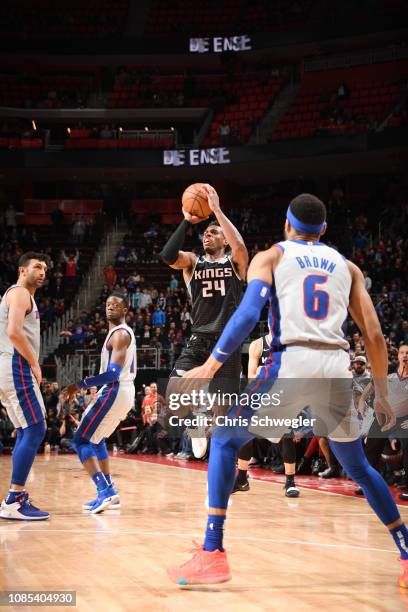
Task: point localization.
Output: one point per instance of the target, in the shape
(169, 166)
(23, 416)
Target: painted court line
(195, 535)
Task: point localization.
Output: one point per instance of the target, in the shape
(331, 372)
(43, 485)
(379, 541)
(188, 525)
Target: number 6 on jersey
(316, 301)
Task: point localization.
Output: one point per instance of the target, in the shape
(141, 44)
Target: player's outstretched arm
(118, 343)
(19, 304)
(244, 319)
(172, 254)
(364, 315)
(239, 251)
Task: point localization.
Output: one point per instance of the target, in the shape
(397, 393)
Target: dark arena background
(109, 110)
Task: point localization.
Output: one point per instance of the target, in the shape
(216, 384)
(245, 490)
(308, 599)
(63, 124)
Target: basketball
(195, 202)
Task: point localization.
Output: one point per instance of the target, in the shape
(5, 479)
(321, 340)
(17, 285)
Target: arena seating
(21, 143)
(373, 92)
(144, 141)
(67, 20)
(38, 212)
(211, 18)
(253, 95)
(45, 86)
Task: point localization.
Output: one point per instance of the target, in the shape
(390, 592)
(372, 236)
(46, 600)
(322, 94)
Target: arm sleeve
(243, 320)
(170, 251)
(111, 375)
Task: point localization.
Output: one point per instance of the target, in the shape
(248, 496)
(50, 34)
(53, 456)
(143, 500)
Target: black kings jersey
(215, 290)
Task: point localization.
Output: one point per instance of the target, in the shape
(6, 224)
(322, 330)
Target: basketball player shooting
(20, 377)
(214, 282)
(112, 403)
(310, 287)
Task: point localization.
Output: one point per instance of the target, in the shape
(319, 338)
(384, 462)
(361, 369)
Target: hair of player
(307, 208)
(121, 296)
(25, 258)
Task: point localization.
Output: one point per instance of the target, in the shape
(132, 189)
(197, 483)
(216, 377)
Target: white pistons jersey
(310, 295)
(128, 373)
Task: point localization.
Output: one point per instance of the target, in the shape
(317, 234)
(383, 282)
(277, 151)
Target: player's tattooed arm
(364, 315)
(239, 251)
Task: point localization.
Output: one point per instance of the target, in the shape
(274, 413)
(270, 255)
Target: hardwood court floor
(319, 551)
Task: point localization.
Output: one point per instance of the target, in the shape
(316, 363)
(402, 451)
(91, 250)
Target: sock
(242, 477)
(12, 494)
(400, 535)
(108, 479)
(214, 532)
(100, 481)
(290, 480)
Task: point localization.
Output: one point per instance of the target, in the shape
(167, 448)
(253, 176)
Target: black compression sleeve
(171, 249)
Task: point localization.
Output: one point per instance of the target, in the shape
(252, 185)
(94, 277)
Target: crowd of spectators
(65, 266)
(159, 313)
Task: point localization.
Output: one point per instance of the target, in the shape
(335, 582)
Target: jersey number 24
(210, 286)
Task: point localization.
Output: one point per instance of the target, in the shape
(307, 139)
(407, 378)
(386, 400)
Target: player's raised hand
(384, 413)
(193, 219)
(212, 195)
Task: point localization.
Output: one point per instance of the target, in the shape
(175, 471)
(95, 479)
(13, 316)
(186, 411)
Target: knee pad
(33, 436)
(101, 452)
(83, 448)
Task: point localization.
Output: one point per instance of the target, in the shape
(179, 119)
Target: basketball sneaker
(204, 568)
(290, 487)
(403, 579)
(115, 505)
(105, 498)
(21, 509)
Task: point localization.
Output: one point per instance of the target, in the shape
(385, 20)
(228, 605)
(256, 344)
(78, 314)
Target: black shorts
(199, 348)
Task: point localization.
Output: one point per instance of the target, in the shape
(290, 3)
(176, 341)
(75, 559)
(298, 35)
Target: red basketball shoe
(204, 568)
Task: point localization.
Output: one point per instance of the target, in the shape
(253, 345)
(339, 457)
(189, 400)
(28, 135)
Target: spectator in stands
(224, 132)
(159, 317)
(57, 218)
(145, 299)
(132, 258)
(173, 283)
(106, 132)
(110, 275)
(69, 425)
(79, 230)
(71, 262)
(11, 219)
(343, 92)
(122, 255)
(135, 298)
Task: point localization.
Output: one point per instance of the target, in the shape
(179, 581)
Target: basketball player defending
(310, 287)
(111, 405)
(20, 377)
(260, 352)
(214, 282)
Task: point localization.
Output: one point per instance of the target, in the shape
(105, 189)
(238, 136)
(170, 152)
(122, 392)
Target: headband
(307, 228)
